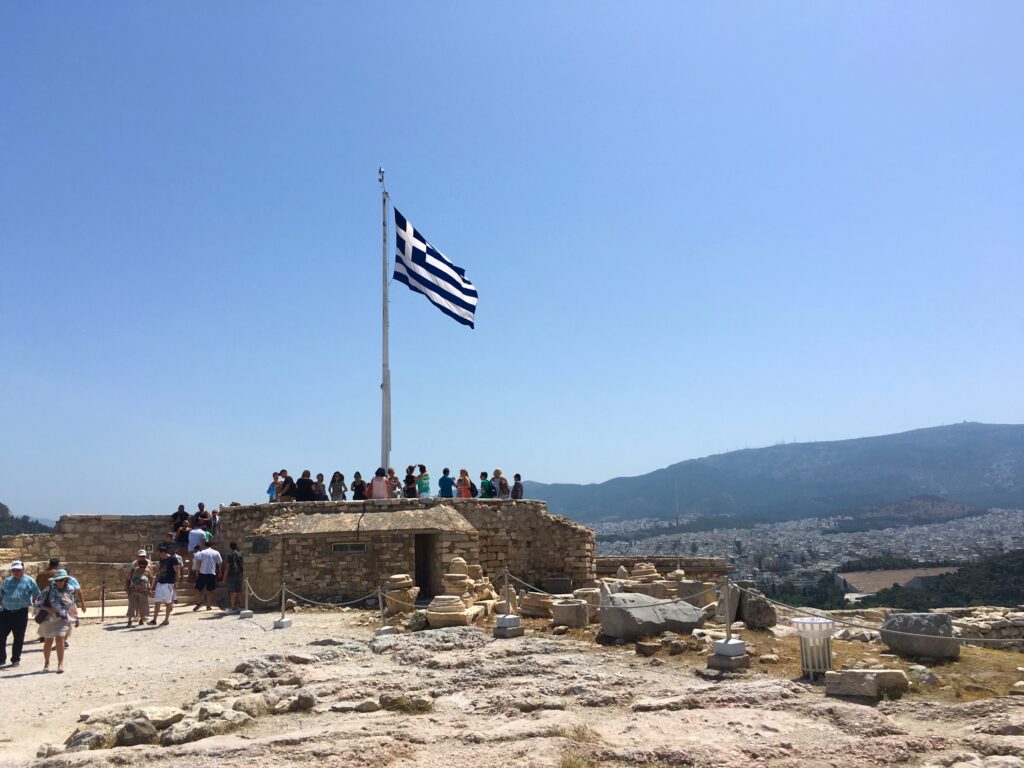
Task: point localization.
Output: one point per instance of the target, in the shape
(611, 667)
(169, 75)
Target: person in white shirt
(209, 564)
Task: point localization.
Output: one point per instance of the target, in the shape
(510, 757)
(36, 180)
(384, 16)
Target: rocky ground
(213, 687)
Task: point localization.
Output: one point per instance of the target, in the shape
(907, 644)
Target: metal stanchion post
(103, 601)
(246, 613)
(508, 603)
(728, 609)
(380, 602)
(283, 623)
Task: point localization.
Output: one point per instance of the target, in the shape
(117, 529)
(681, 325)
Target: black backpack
(473, 490)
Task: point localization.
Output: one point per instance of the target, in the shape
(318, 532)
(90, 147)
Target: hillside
(9, 524)
(980, 465)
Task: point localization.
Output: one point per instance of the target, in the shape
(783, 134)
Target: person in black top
(304, 488)
(287, 490)
(178, 517)
(234, 578)
(409, 484)
(358, 488)
(168, 572)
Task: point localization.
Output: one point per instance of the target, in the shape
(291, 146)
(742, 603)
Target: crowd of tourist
(385, 484)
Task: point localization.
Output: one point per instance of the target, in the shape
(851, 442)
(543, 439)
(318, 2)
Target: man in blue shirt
(445, 485)
(17, 593)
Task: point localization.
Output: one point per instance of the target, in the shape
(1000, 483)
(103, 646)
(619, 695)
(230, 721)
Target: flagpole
(385, 383)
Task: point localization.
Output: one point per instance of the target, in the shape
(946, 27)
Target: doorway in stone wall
(426, 545)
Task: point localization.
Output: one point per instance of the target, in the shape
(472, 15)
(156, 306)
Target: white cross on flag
(426, 270)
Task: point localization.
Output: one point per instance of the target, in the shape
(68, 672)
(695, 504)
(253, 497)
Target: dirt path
(109, 664)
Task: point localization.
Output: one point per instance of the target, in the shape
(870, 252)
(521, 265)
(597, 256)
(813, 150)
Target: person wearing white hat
(137, 586)
(17, 593)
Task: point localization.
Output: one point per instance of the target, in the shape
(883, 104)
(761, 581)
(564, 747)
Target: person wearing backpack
(464, 485)
(234, 579)
(501, 489)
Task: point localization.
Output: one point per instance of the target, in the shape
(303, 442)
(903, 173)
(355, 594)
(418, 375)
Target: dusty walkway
(157, 665)
(535, 701)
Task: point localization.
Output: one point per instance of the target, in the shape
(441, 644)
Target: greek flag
(426, 270)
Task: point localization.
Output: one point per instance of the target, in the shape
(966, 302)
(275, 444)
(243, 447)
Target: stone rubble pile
(988, 623)
(468, 595)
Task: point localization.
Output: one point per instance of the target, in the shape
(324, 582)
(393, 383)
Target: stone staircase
(116, 604)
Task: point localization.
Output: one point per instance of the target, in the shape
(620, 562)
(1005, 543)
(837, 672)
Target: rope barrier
(262, 599)
(848, 623)
(331, 605)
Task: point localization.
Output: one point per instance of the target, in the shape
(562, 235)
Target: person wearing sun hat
(137, 586)
(16, 595)
(57, 602)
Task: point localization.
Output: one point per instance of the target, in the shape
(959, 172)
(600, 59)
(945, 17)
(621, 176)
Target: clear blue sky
(693, 227)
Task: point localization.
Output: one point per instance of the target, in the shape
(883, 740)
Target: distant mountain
(9, 524)
(981, 465)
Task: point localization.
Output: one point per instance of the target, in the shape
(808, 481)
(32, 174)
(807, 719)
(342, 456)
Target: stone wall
(519, 535)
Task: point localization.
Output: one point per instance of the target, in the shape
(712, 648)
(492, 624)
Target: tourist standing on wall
(358, 488)
(57, 602)
(319, 489)
(137, 585)
(235, 574)
(272, 488)
(394, 484)
(179, 517)
(337, 488)
(464, 485)
(486, 489)
(287, 490)
(517, 486)
(209, 564)
(304, 487)
(423, 483)
(17, 593)
(379, 485)
(409, 487)
(445, 484)
(501, 489)
(168, 574)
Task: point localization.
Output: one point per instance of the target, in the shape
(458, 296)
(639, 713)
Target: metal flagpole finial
(380, 173)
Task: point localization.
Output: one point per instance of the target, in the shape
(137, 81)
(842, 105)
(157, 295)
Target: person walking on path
(76, 590)
(423, 483)
(517, 486)
(287, 490)
(379, 485)
(138, 585)
(337, 488)
(209, 564)
(168, 573)
(43, 577)
(235, 573)
(445, 485)
(17, 593)
(464, 486)
(58, 603)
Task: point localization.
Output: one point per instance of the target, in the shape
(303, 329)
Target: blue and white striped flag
(426, 270)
